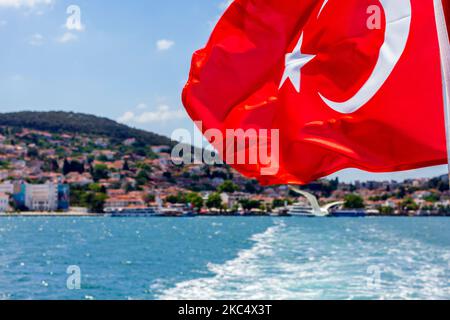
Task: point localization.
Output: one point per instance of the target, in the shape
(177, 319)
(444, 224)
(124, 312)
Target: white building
(231, 200)
(4, 202)
(124, 201)
(129, 142)
(41, 197)
(159, 149)
(4, 174)
(7, 188)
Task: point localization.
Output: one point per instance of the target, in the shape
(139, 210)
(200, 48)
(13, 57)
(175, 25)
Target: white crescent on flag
(398, 22)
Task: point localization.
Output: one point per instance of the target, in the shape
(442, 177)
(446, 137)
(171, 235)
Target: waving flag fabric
(348, 84)
(446, 4)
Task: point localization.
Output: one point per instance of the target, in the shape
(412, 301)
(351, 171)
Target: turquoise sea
(226, 258)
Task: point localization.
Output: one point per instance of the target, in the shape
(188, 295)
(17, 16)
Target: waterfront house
(160, 149)
(4, 202)
(78, 179)
(115, 192)
(7, 188)
(233, 199)
(124, 201)
(129, 142)
(101, 142)
(4, 174)
(41, 197)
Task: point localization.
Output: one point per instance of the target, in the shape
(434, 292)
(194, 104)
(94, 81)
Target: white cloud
(67, 37)
(126, 117)
(24, 3)
(141, 106)
(162, 114)
(164, 44)
(36, 40)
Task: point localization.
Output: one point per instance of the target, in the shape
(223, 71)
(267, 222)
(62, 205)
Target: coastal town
(42, 172)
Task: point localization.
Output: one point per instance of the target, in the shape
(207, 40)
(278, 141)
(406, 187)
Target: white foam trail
(301, 262)
(235, 279)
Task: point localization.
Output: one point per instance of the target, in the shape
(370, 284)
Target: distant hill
(70, 122)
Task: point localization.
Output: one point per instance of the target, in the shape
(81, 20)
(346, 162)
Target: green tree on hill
(71, 122)
(249, 205)
(66, 167)
(150, 198)
(251, 186)
(72, 166)
(95, 201)
(102, 158)
(195, 200)
(433, 197)
(142, 178)
(408, 204)
(176, 199)
(214, 201)
(279, 203)
(33, 152)
(92, 197)
(228, 187)
(100, 171)
(54, 165)
(353, 201)
(385, 210)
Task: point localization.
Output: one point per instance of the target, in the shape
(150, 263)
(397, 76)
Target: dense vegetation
(70, 122)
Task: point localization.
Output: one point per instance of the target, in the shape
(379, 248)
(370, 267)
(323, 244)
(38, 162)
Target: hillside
(102, 165)
(70, 122)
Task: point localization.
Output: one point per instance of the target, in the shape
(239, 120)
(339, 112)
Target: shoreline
(48, 214)
(102, 215)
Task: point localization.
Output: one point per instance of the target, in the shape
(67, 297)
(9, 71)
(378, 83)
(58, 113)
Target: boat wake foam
(297, 261)
(235, 279)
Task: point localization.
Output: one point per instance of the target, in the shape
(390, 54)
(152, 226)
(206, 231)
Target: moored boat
(134, 212)
(300, 210)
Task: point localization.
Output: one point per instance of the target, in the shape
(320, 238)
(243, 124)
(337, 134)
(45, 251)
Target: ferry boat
(176, 210)
(134, 212)
(310, 207)
(300, 210)
(148, 212)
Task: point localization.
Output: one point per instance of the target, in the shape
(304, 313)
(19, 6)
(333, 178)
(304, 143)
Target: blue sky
(127, 61)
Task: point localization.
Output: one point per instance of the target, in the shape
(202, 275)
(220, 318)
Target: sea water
(225, 258)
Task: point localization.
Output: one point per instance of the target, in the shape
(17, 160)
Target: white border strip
(445, 66)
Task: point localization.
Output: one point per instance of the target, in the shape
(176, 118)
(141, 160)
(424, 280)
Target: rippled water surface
(226, 258)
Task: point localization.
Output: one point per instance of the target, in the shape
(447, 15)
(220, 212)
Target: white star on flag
(295, 61)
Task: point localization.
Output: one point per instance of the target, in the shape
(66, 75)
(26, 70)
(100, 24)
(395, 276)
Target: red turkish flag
(348, 84)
